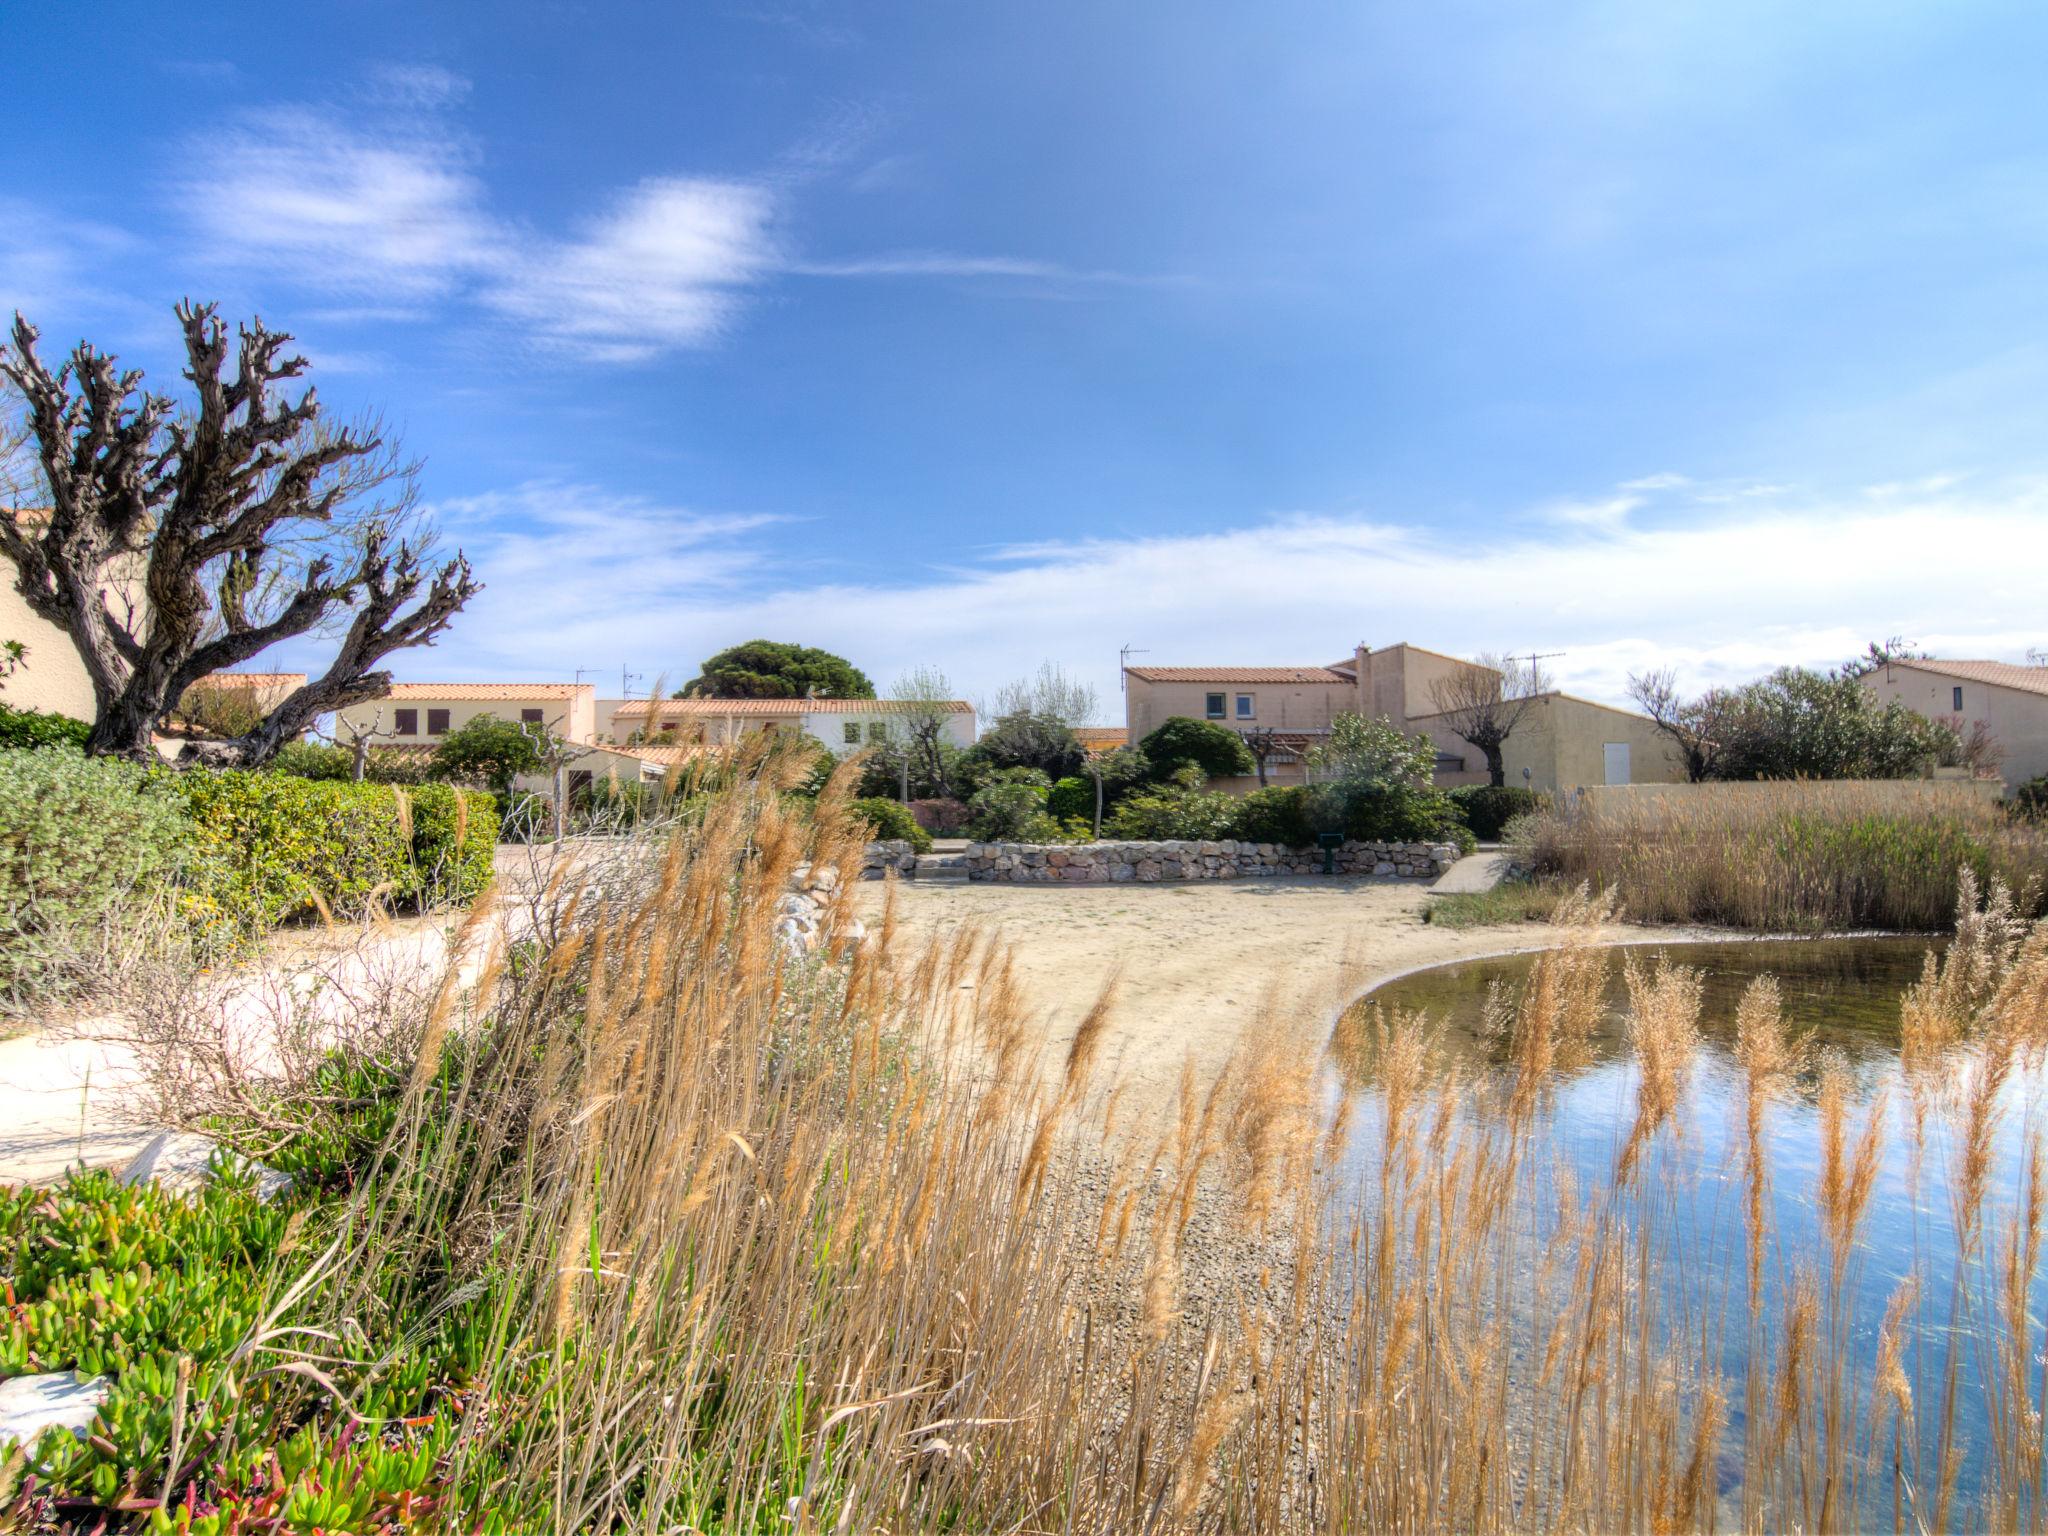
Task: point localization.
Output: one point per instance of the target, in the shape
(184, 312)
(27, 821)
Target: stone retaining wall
(1103, 863)
(889, 854)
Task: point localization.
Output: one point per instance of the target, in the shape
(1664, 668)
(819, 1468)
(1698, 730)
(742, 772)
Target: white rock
(181, 1162)
(824, 878)
(30, 1405)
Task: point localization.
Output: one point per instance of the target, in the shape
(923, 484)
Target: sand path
(1201, 965)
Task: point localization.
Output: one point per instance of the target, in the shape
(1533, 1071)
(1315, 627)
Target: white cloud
(664, 269)
(395, 215)
(45, 261)
(599, 581)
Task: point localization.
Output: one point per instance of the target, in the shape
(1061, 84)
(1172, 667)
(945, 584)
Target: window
(1959, 700)
(1213, 706)
(1244, 707)
(530, 716)
(850, 733)
(878, 730)
(405, 722)
(437, 722)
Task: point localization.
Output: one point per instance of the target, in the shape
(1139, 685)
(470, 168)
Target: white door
(1617, 762)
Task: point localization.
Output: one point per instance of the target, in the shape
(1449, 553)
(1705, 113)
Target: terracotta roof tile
(491, 690)
(2001, 674)
(635, 709)
(252, 680)
(1240, 675)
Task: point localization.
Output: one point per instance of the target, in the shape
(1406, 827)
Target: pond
(1847, 993)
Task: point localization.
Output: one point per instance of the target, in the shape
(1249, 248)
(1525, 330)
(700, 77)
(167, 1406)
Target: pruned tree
(926, 697)
(1485, 701)
(1263, 742)
(1701, 728)
(172, 545)
(1049, 694)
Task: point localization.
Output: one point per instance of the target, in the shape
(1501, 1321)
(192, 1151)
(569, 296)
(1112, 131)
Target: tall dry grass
(1790, 857)
(749, 1243)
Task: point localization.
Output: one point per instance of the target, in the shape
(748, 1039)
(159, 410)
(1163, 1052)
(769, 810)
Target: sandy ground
(1199, 966)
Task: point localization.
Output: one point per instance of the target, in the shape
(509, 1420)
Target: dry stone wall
(1106, 863)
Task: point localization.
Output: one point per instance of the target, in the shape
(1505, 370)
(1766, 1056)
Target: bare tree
(1263, 742)
(172, 546)
(1700, 727)
(926, 695)
(1050, 695)
(1485, 700)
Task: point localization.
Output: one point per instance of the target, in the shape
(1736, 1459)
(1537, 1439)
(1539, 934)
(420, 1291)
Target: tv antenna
(1532, 657)
(2037, 655)
(1123, 658)
(627, 680)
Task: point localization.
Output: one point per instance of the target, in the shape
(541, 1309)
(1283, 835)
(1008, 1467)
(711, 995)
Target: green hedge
(1487, 808)
(266, 847)
(83, 842)
(31, 728)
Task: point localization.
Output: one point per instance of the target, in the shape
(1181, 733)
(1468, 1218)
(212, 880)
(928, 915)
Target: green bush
(891, 819)
(1277, 815)
(83, 841)
(314, 760)
(1172, 811)
(29, 728)
(266, 847)
(1002, 812)
(1488, 808)
(1182, 742)
(1072, 799)
(2031, 799)
(1400, 813)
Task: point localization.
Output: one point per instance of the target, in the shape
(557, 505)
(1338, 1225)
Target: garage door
(1617, 762)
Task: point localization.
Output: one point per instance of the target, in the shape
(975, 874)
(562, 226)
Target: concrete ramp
(1474, 872)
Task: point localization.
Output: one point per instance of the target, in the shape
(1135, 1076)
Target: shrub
(1399, 813)
(1042, 743)
(2031, 799)
(488, 751)
(1277, 815)
(267, 847)
(1072, 798)
(30, 728)
(1172, 811)
(892, 820)
(83, 843)
(1002, 811)
(1487, 808)
(314, 760)
(1182, 742)
(943, 815)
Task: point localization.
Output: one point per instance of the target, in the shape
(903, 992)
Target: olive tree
(171, 542)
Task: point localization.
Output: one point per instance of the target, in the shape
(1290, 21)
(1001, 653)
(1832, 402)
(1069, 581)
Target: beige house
(841, 724)
(1564, 741)
(2010, 699)
(420, 714)
(51, 677)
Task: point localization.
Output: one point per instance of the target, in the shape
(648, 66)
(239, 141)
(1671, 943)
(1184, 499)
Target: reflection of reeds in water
(754, 1244)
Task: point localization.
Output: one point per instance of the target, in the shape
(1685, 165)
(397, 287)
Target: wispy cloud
(1723, 595)
(46, 261)
(665, 268)
(381, 207)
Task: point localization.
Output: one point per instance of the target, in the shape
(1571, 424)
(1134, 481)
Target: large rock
(31, 1406)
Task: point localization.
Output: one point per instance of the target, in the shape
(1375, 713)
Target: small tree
(1486, 700)
(1263, 742)
(1048, 694)
(244, 520)
(1182, 741)
(1880, 654)
(1363, 751)
(1023, 741)
(927, 698)
(489, 751)
(776, 669)
(1699, 727)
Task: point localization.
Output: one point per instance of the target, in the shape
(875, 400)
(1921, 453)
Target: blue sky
(985, 335)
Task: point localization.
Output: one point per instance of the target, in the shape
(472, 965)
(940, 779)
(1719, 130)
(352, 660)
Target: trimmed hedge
(1487, 808)
(81, 840)
(31, 728)
(266, 847)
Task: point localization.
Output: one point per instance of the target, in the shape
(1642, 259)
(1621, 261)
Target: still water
(1847, 993)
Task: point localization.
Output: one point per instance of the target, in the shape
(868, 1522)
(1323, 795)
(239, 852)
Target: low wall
(890, 855)
(1103, 863)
